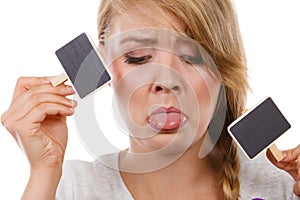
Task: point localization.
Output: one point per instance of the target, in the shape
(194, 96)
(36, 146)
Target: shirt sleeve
(261, 179)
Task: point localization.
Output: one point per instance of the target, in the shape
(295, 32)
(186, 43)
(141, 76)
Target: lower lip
(167, 122)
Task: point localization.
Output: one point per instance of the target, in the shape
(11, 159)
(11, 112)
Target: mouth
(167, 120)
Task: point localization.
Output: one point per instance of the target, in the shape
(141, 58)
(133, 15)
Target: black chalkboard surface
(83, 65)
(258, 128)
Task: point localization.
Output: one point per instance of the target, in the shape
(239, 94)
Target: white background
(32, 30)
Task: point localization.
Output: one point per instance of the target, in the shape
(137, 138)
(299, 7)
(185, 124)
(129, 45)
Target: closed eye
(192, 59)
(138, 56)
(137, 60)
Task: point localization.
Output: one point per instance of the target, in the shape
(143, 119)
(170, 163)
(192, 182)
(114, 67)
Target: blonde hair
(213, 24)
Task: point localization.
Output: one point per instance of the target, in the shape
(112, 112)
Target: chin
(169, 142)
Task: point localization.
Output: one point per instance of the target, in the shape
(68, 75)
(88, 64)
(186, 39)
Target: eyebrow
(141, 40)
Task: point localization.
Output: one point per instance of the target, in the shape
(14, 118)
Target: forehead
(140, 16)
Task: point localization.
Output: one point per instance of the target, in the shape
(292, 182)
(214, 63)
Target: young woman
(171, 61)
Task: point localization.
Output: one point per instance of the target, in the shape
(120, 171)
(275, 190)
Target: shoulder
(99, 179)
(259, 178)
(88, 171)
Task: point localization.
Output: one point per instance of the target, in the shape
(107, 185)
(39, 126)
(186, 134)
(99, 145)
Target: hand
(36, 118)
(290, 164)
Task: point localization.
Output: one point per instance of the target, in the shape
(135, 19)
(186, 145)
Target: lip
(170, 111)
(166, 110)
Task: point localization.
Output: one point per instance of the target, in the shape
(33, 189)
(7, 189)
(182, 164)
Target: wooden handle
(57, 80)
(276, 153)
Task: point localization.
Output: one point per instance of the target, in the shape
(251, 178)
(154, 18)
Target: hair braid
(230, 162)
(231, 167)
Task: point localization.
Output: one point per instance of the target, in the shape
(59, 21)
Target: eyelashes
(192, 60)
(139, 60)
(136, 60)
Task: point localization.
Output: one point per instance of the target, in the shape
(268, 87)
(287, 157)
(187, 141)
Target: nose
(168, 80)
(165, 88)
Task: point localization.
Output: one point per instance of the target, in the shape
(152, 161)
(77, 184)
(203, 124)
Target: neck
(187, 175)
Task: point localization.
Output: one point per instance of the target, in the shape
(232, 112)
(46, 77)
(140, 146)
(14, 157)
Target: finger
(63, 90)
(291, 154)
(34, 95)
(31, 122)
(35, 100)
(298, 166)
(40, 112)
(296, 188)
(287, 166)
(25, 83)
(290, 167)
(22, 85)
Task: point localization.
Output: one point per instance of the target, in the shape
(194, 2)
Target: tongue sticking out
(166, 121)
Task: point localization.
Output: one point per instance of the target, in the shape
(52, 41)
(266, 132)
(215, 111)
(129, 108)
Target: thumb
(291, 154)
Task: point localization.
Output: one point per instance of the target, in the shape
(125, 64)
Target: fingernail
(70, 88)
(73, 103)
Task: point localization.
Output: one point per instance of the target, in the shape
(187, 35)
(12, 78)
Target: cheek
(130, 92)
(119, 69)
(132, 99)
(203, 93)
(204, 102)
(206, 89)
(137, 106)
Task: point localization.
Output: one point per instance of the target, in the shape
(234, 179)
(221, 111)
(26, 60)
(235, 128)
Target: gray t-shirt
(93, 180)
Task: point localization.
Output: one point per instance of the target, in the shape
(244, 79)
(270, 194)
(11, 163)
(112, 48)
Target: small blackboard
(83, 65)
(258, 128)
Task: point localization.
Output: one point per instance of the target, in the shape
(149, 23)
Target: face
(165, 96)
